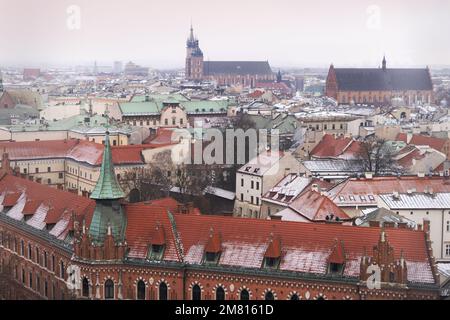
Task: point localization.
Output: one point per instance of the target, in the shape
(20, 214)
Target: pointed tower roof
(107, 187)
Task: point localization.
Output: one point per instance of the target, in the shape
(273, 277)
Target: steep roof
(315, 206)
(78, 150)
(373, 79)
(332, 147)
(107, 186)
(44, 205)
(237, 67)
(302, 247)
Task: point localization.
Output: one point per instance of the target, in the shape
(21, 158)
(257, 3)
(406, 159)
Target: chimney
(315, 187)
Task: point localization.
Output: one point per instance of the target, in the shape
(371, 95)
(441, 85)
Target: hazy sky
(299, 33)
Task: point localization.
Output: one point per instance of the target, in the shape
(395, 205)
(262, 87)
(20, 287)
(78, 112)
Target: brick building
(245, 73)
(57, 245)
(379, 85)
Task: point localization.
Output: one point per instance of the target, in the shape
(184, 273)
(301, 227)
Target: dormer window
(213, 248)
(156, 248)
(336, 260)
(156, 252)
(211, 257)
(271, 263)
(335, 268)
(272, 255)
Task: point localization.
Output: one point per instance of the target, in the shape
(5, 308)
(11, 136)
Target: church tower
(194, 58)
(384, 63)
(109, 217)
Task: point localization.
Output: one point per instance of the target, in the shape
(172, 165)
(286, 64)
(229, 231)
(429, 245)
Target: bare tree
(377, 157)
(160, 176)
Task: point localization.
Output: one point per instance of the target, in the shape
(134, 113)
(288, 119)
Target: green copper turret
(107, 193)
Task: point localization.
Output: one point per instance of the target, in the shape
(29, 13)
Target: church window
(196, 292)
(141, 290)
(162, 291)
(269, 296)
(220, 293)
(109, 289)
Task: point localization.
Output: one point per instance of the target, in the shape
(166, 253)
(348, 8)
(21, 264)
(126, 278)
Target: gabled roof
(373, 79)
(305, 247)
(44, 204)
(315, 206)
(77, 150)
(331, 147)
(338, 253)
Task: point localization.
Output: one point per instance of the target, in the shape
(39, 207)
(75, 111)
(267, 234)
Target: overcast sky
(288, 33)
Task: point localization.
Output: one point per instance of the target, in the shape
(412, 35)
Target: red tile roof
(338, 253)
(163, 138)
(78, 150)
(142, 219)
(377, 185)
(316, 207)
(402, 137)
(53, 199)
(421, 140)
(274, 248)
(31, 206)
(304, 246)
(331, 147)
(214, 244)
(11, 199)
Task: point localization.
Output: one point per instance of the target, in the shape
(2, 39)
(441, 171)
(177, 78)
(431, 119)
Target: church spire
(107, 187)
(384, 62)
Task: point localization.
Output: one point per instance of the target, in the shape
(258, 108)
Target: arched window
(269, 296)
(85, 288)
(196, 292)
(245, 295)
(220, 293)
(141, 290)
(162, 291)
(109, 289)
(294, 297)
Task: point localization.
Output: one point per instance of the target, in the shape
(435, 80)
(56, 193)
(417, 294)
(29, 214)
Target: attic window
(271, 263)
(156, 252)
(352, 198)
(211, 257)
(371, 197)
(335, 268)
(342, 198)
